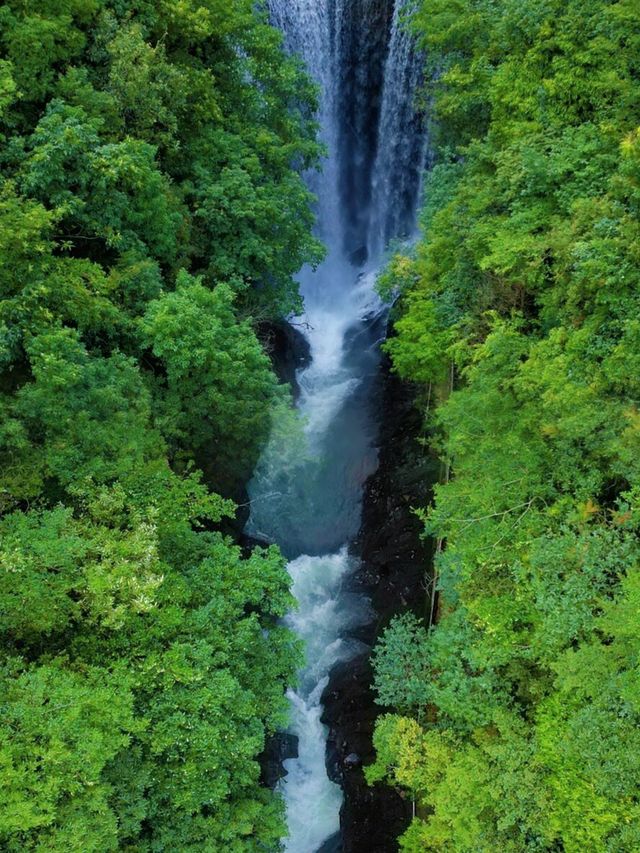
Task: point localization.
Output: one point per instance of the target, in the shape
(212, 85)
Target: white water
(401, 156)
(324, 615)
(306, 494)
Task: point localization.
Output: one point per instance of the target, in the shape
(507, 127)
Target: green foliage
(152, 214)
(521, 704)
(399, 664)
(82, 418)
(219, 384)
(175, 622)
(61, 728)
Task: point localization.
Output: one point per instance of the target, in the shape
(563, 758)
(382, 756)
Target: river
(307, 492)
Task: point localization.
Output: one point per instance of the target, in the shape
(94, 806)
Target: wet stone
(352, 761)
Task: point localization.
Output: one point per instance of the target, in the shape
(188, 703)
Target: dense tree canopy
(152, 215)
(519, 711)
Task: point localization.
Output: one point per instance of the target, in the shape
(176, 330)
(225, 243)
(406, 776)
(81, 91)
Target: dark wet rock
(288, 349)
(279, 749)
(395, 563)
(359, 257)
(352, 761)
(248, 543)
(372, 818)
(332, 845)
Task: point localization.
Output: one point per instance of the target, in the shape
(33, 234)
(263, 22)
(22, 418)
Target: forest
(151, 219)
(154, 214)
(516, 724)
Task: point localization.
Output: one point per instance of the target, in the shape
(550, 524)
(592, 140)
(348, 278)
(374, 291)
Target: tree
(519, 715)
(152, 214)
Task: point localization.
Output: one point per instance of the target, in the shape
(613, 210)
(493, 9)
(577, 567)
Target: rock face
(279, 748)
(289, 351)
(394, 564)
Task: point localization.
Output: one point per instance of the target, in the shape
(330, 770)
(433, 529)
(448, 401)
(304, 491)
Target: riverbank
(392, 574)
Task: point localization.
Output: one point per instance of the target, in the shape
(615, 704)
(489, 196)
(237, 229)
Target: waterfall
(402, 141)
(306, 494)
(312, 30)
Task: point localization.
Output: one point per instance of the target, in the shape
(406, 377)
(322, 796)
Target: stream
(306, 494)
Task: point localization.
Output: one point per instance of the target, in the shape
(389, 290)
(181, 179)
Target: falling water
(402, 150)
(306, 494)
